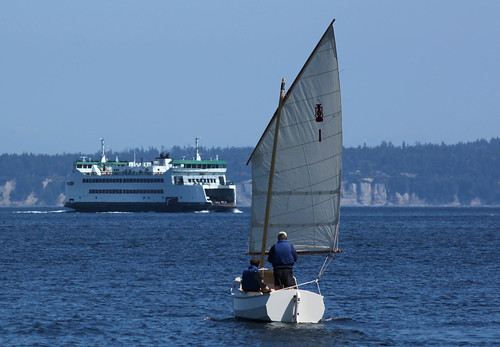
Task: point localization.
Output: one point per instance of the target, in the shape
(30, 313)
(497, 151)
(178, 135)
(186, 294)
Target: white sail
(305, 198)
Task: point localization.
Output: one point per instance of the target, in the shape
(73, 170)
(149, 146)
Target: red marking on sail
(319, 113)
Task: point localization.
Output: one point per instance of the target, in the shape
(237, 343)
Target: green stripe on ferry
(184, 161)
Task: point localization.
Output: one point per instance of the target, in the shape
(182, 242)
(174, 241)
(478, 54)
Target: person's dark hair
(255, 261)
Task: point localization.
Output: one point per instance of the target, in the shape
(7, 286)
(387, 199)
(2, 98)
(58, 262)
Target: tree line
(436, 173)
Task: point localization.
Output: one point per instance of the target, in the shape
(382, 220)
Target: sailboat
(296, 180)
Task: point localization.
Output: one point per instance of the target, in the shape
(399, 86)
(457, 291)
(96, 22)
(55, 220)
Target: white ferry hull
(143, 197)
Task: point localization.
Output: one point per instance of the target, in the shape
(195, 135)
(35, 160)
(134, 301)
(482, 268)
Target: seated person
(252, 281)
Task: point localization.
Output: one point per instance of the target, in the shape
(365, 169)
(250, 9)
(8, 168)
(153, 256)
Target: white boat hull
(286, 305)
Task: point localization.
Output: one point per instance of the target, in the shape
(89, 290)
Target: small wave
(203, 211)
(222, 319)
(237, 211)
(337, 319)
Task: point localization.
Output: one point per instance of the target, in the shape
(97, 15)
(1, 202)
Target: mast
(271, 175)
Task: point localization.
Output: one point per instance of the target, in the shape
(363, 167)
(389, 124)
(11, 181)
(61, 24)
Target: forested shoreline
(463, 174)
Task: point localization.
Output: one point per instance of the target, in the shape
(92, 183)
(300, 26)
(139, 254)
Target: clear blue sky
(160, 73)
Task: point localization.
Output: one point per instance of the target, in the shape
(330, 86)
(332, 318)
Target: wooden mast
(271, 176)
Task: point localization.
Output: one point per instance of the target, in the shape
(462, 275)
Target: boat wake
(42, 211)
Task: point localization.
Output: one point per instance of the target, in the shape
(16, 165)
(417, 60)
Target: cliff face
(362, 193)
(369, 193)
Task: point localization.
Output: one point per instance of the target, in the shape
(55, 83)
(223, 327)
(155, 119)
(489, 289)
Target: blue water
(408, 276)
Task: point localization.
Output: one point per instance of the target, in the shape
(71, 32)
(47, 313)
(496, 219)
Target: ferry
(161, 185)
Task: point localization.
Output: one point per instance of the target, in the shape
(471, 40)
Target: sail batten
(329, 223)
(318, 192)
(305, 197)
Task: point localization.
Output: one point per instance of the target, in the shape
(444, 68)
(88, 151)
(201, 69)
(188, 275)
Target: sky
(160, 73)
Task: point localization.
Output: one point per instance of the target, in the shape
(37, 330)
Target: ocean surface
(408, 276)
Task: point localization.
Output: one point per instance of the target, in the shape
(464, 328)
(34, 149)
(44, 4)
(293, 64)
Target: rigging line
(323, 268)
(303, 284)
(299, 285)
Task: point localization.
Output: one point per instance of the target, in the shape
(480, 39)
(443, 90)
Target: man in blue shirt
(252, 281)
(282, 255)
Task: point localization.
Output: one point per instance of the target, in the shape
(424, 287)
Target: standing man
(282, 255)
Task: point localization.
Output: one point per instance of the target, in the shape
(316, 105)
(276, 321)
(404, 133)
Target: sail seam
(330, 199)
(309, 164)
(304, 225)
(336, 114)
(316, 183)
(314, 192)
(321, 73)
(305, 143)
(313, 98)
